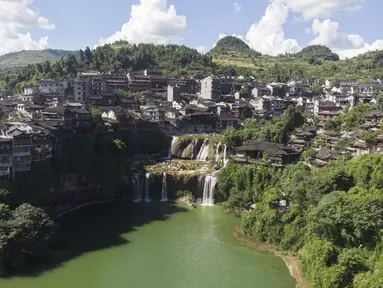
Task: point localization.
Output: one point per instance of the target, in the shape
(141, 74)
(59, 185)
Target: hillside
(26, 57)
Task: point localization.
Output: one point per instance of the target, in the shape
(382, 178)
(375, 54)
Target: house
(323, 156)
(198, 122)
(261, 90)
(274, 154)
(186, 85)
(210, 88)
(22, 150)
(226, 85)
(30, 90)
(110, 112)
(77, 119)
(139, 83)
(53, 86)
(174, 93)
(242, 95)
(374, 116)
(130, 104)
(154, 114)
(358, 148)
(225, 122)
(6, 155)
(326, 109)
(41, 146)
(31, 111)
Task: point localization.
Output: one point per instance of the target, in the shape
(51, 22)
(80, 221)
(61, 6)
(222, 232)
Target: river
(117, 245)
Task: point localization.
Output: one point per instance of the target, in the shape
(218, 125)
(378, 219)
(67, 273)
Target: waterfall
(208, 190)
(164, 188)
(217, 153)
(174, 141)
(225, 160)
(204, 151)
(193, 148)
(137, 187)
(147, 188)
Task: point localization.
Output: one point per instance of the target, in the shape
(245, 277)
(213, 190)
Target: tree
(379, 101)
(82, 56)
(88, 55)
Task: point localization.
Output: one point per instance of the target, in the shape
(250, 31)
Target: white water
(208, 190)
(147, 188)
(225, 160)
(194, 147)
(137, 187)
(174, 141)
(164, 188)
(217, 153)
(204, 151)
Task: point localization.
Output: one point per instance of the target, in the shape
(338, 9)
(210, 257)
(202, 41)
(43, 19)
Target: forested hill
(230, 56)
(26, 57)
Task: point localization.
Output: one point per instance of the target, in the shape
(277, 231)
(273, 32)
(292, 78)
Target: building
(22, 150)
(30, 90)
(6, 156)
(187, 85)
(154, 114)
(210, 88)
(174, 93)
(139, 83)
(53, 86)
(274, 154)
(326, 109)
(261, 90)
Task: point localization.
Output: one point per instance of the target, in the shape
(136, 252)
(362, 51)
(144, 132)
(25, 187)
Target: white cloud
(203, 49)
(311, 9)
(346, 45)
(237, 7)
(151, 21)
(327, 33)
(267, 36)
(16, 15)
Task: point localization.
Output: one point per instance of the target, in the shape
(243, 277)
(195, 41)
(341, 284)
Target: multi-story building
(210, 88)
(6, 155)
(154, 114)
(30, 90)
(174, 93)
(187, 85)
(261, 90)
(139, 83)
(22, 150)
(53, 86)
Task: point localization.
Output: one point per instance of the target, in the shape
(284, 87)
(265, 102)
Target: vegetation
(24, 58)
(230, 56)
(25, 233)
(333, 218)
(277, 130)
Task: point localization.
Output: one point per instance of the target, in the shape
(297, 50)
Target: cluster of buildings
(149, 100)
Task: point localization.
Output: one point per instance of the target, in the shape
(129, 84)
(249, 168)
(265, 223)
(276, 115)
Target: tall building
(210, 88)
(174, 93)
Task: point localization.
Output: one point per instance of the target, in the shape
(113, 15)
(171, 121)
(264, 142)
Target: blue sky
(349, 27)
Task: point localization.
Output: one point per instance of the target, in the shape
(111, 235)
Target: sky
(348, 27)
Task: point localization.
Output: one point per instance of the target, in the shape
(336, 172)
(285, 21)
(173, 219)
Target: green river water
(153, 245)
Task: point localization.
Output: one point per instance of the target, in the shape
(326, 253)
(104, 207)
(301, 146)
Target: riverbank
(292, 262)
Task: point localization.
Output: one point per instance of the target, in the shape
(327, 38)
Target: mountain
(26, 57)
(317, 52)
(230, 44)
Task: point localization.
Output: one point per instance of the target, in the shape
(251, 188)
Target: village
(35, 123)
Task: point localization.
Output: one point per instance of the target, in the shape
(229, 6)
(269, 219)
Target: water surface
(153, 246)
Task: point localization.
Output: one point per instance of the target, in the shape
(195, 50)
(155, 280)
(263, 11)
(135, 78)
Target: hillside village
(35, 121)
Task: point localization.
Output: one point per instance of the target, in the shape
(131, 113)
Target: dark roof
(327, 154)
(274, 148)
(58, 109)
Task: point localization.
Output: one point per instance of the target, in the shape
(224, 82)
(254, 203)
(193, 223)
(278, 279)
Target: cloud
(203, 49)
(311, 9)
(267, 36)
(346, 45)
(237, 7)
(327, 33)
(151, 21)
(16, 15)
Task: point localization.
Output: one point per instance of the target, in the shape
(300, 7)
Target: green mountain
(26, 57)
(317, 52)
(230, 44)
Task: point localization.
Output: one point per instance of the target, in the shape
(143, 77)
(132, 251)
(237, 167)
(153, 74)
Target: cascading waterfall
(174, 141)
(208, 190)
(164, 188)
(217, 152)
(193, 148)
(225, 160)
(147, 188)
(204, 151)
(137, 187)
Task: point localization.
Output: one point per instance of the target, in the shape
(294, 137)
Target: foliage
(333, 218)
(379, 101)
(26, 233)
(277, 130)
